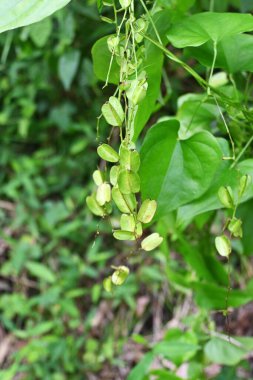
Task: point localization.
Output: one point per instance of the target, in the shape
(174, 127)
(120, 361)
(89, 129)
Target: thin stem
(228, 131)
(151, 21)
(242, 152)
(213, 64)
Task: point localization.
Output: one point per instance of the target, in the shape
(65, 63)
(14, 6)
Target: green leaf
(40, 32)
(40, 271)
(141, 368)
(101, 62)
(234, 54)
(177, 347)
(18, 13)
(67, 68)
(223, 352)
(174, 172)
(211, 296)
(224, 176)
(202, 27)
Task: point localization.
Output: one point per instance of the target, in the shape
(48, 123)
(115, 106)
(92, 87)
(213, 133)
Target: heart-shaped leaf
(173, 171)
(209, 26)
(18, 13)
(234, 54)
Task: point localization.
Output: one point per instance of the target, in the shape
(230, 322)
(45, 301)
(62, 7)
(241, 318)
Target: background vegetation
(56, 321)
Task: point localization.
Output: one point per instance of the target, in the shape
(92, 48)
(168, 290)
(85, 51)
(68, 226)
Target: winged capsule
(223, 245)
(226, 196)
(113, 112)
(123, 235)
(107, 153)
(120, 275)
(128, 182)
(235, 227)
(107, 284)
(103, 194)
(138, 230)
(126, 203)
(151, 242)
(147, 211)
(137, 90)
(245, 181)
(93, 205)
(98, 177)
(127, 222)
(129, 159)
(112, 43)
(140, 26)
(114, 173)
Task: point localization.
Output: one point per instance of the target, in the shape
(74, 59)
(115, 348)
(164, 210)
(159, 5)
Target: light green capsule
(120, 275)
(223, 245)
(128, 182)
(127, 222)
(107, 153)
(129, 159)
(138, 230)
(103, 194)
(137, 90)
(147, 211)
(125, 3)
(123, 235)
(93, 205)
(113, 43)
(226, 196)
(140, 26)
(235, 227)
(98, 177)
(113, 112)
(245, 181)
(114, 173)
(125, 202)
(151, 242)
(107, 284)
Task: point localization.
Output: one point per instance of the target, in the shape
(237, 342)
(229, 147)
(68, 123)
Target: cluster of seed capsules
(234, 225)
(122, 187)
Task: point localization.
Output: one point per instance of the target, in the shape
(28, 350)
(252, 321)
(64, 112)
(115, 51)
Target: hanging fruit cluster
(230, 200)
(120, 186)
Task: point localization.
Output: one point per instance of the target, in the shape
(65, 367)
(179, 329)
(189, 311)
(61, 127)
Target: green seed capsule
(127, 222)
(129, 182)
(125, 3)
(93, 205)
(147, 211)
(140, 26)
(114, 173)
(223, 245)
(151, 242)
(226, 196)
(103, 194)
(107, 284)
(138, 230)
(120, 275)
(235, 227)
(113, 112)
(113, 43)
(107, 153)
(125, 202)
(245, 181)
(129, 159)
(123, 235)
(98, 177)
(137, 91)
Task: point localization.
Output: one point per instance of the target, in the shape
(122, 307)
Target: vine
(120, 187)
